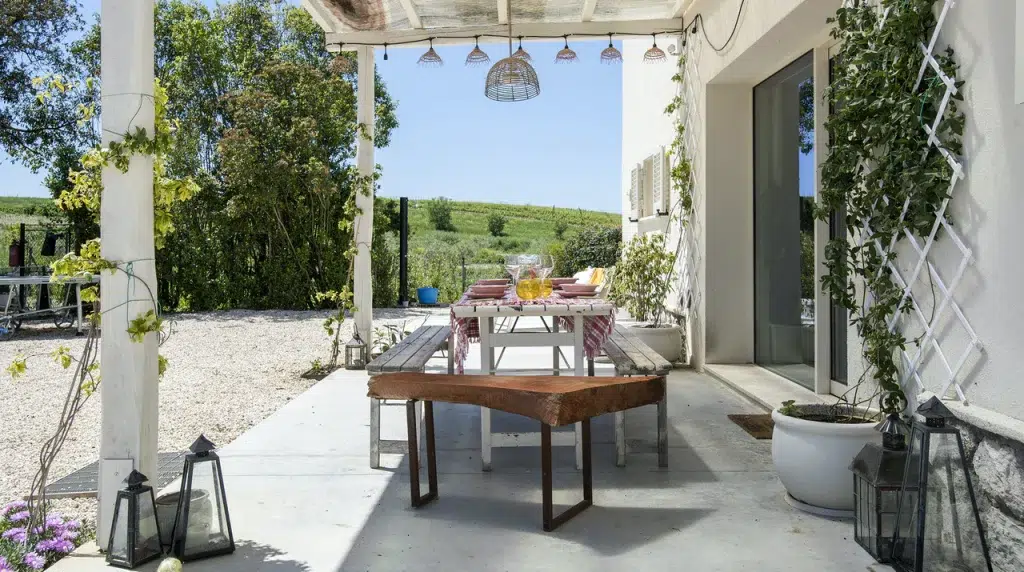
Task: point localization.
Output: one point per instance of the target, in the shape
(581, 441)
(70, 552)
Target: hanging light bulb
(513, 78)
(430, 59)
(566, 55)
(477, 57)
(385, 51)
(654, 54)
(611, 54)
(521, 53)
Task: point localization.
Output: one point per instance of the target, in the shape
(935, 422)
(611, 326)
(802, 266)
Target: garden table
(581, 323)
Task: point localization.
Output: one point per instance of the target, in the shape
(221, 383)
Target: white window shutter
(657, 171)
(634, 194)
(665, 206)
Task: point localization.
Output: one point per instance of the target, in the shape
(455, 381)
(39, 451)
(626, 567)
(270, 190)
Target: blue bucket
(427, 295)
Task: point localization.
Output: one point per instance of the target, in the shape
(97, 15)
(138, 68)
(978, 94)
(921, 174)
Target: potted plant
(641, 284)
(812, 447)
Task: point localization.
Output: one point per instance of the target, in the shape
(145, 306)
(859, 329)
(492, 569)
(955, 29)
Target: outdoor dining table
(585, 324)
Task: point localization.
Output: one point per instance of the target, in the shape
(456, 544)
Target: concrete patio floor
(303, 498)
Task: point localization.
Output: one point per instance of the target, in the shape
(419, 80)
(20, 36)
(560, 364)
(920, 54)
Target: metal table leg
(551, 521)
(414, 455)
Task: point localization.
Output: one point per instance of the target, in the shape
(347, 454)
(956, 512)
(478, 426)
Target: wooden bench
(633, 357)
(409, 355)
(552, 400)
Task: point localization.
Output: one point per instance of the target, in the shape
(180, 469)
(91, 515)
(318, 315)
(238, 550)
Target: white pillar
(363, 289)
(128, 369)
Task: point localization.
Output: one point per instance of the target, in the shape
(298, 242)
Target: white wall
(646, 90)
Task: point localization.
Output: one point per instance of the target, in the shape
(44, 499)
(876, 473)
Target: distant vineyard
(577, 217)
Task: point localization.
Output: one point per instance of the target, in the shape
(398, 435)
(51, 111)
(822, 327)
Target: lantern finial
(934, 412)
(135, 480)
(894, 432)
(202, 446)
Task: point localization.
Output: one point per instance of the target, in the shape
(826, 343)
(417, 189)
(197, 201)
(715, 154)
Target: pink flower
(15, 534)
(18, 516)
(34, 561)
(16, 505)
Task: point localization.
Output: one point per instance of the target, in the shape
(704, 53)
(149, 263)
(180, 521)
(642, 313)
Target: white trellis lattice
(688, 252)
(930, 320)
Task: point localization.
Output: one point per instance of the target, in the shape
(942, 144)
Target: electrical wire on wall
(698, 20)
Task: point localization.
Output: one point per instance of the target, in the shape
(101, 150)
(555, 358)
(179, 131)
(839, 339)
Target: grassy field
(530, 229)
(15, 210)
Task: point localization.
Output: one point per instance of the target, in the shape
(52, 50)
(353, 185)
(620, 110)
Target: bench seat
(410, 355)
(631, 356)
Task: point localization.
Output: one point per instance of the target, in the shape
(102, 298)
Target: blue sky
(562, 148)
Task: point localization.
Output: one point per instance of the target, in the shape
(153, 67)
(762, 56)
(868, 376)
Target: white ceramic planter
(813, 459)
(666, 340)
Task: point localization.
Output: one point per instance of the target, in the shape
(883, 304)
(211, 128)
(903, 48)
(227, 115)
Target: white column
(128, 369)
(363, 288)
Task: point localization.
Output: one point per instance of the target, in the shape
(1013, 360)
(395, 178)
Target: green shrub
(509, 245)
(439, 211)
(597, 247)
(440, 265)
(560, 227)
(496, 224)
(643, 278)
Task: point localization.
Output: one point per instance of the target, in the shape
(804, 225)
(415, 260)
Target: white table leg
(374, 433)
(487, 366)
(578, 363)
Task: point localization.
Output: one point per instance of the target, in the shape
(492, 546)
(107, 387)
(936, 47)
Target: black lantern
(877, 481)
(202, 526)
(135, 531)
(942, 525)
(355, 353)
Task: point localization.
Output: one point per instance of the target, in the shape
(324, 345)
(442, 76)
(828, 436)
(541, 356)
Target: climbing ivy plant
(879, 161)
(681, 170)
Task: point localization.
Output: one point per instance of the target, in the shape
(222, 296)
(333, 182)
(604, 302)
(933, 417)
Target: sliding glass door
(784, 283)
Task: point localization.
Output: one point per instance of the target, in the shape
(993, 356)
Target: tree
(439, 211)
(32, 44)
(496, 224)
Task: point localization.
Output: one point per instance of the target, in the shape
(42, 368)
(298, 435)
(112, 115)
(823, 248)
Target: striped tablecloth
(598, 318)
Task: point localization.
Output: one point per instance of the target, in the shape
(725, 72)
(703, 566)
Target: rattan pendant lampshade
(513, 78)
(654, 54)
(477, 57)
(430, 58)
(611, 54)
(566, 55)
(521, 53)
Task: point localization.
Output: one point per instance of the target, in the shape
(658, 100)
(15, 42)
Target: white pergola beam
(588, 10)
(680, 8)
(320, 15)
(129, 397)
(363, 280)
(503, 12)
(410, 13)
(499, 34)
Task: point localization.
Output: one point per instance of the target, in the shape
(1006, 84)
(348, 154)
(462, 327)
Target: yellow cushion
(598, 276)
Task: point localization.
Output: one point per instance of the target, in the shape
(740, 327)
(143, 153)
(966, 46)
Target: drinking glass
(512, 267)
(547, 265)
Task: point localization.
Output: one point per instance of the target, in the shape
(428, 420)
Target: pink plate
(492, 282)
(582, 288)
(561, 281)
(565, 294)
(481, 296)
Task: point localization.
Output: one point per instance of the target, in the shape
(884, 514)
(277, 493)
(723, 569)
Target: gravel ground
(228, 371)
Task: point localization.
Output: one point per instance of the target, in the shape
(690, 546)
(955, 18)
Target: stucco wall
(646, 90)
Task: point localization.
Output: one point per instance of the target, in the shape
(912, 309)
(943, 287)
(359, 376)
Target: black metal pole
(463, 272)
(403, 252)
(21, 263)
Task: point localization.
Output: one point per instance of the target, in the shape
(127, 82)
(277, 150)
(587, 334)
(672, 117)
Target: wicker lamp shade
(611, 54)
(521, 53)
(512, 79)
(430, 58)
(342, 64)
(654, 54)
(566, 55)
(477, 57)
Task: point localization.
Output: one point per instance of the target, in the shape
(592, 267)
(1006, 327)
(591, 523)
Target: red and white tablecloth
(598, 319)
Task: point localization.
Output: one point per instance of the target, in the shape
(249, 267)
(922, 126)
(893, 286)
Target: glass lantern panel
(951, 537)
(118, 549)
(147, 540)
(905, 549)
(207, 529)
(858, 496)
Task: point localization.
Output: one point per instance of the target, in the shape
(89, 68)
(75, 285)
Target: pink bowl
(492, 282)
(563, 281)
(580, 288)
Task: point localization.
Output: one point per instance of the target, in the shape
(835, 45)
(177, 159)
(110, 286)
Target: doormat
(758, 426)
